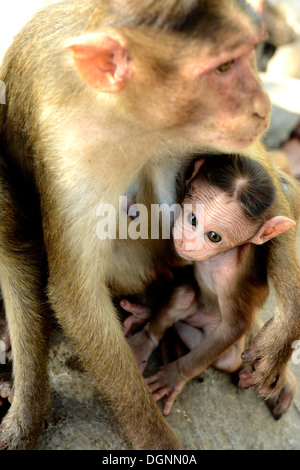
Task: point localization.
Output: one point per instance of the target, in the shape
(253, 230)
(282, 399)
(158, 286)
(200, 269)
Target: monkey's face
(203, 91)
(218, 101)
(211, 223)
(228, 105)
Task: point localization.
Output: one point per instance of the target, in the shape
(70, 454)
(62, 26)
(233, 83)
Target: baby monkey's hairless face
(229, 202)
(211, 222)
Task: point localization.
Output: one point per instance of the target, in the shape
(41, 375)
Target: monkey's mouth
(186, 254)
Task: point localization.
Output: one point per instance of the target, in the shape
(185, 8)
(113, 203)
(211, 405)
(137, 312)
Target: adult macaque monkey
(100, 94)
(226, 220)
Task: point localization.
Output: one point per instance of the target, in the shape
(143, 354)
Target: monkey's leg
(181, 304)
(92, 325)
(140, 314)
(22, 288)
(22, 293)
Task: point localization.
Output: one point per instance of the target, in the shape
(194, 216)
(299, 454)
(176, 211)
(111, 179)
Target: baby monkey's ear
(271, 228)
(197, 165)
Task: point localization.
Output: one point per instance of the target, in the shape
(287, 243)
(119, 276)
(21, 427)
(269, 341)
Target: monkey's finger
(249, 355)
(155, 386)
(270, 387)
(281, 403)
(254, 352)
(169, 403)
(273, 387)
(245, 377)
(161, 393)
(140, 311)
(152, 379)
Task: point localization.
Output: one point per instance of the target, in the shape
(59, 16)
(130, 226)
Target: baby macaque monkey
(227, 244)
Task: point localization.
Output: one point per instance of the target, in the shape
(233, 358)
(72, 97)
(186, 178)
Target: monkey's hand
(265, 362)
(167, 382)
(140, 316)
(142, 345)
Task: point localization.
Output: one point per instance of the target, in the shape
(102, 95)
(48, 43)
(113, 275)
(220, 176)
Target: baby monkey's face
(211, 222)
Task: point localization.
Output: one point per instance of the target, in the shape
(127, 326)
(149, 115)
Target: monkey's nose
(262, 107)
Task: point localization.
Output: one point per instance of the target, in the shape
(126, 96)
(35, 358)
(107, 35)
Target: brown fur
(79, 131)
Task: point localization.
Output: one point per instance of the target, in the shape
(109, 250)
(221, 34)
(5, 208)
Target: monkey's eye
(192, 219)
(226, 66)
(214, 237)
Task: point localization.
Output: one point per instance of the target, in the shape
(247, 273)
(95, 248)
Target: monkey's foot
(22, 425)
(142, 345)
(140, 316)
(14, 434)
(166, 383)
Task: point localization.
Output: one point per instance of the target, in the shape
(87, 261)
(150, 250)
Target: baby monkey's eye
(226, 66)
(214, 237)
(192, 219)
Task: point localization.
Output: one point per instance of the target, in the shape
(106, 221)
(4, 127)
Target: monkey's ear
(102, 61)
(271, 228)
(197, 165)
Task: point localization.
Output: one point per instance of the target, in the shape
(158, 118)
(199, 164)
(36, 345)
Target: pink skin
(203, 323)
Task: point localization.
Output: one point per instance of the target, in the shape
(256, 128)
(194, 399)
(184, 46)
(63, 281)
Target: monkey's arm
(171, 378)
(267, 358)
